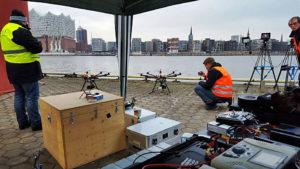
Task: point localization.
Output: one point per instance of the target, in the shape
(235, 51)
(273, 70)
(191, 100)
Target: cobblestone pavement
(18, 146)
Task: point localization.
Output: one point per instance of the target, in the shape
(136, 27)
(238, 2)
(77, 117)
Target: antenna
(248, 34)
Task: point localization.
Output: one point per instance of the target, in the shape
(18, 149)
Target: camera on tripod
(263, 65)
(265, 36)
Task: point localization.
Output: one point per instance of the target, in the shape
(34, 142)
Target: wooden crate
(77, 132)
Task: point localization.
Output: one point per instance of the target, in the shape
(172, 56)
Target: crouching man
(218, 85)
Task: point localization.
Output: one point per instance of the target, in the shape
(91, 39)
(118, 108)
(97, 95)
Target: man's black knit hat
(17, 15)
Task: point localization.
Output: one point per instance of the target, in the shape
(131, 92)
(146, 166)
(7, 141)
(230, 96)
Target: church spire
(248, 34)
(191, 35)
(281, 40)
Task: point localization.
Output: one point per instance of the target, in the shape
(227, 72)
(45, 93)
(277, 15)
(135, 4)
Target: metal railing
(174, 78)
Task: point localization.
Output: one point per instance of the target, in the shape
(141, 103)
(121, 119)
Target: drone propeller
(101, 74)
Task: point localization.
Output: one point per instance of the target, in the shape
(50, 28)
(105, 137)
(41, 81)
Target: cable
(144, 154)
(174, 165)
(151, 153)
(297, 160)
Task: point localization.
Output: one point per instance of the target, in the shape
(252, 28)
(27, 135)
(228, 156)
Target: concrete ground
(17, 147)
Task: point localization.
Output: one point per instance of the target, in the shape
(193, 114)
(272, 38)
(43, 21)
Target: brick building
(52, 44)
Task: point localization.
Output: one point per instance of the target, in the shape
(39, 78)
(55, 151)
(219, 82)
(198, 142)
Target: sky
(216, 19)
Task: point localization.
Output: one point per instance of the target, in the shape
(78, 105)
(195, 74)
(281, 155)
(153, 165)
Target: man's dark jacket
(212, 76)
(27, 72)
(296, 34)
(297, 37)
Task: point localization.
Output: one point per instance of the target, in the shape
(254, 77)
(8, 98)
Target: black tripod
(287, 65)
(263, 59)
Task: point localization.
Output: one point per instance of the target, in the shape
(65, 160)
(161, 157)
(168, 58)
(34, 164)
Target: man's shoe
(211, 106)
(37, 127)
(24, 126)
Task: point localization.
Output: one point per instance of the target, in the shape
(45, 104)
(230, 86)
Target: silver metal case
(131, 119)
(152, 132)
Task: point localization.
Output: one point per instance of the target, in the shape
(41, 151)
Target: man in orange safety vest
(218, 85)
(294, 24)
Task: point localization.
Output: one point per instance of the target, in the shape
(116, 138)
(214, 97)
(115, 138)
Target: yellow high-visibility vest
(14, 53)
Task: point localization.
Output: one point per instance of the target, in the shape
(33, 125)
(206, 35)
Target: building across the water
(56, 32)
(98, 45)
(173, 45)
(57, 44)
(81, 37)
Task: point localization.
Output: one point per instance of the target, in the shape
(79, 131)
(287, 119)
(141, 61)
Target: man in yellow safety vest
(23, 68)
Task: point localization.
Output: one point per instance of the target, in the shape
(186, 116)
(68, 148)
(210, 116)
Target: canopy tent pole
(123, 35)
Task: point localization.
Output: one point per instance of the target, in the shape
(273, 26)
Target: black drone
(90, 79)
(162, 79)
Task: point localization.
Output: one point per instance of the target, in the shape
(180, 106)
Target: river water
(238, 66)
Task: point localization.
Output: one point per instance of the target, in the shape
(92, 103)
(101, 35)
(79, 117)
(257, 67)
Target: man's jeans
(27, 95)
(207, 96)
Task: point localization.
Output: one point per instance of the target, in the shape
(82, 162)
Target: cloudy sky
(217, 19)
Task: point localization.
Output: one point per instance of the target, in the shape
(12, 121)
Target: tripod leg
(250, 79)
(276, 82)
(275, 78)
(83, 85)
(153, 87)
(272, 69)
(168, 88)
(261, 77)
(286, 78)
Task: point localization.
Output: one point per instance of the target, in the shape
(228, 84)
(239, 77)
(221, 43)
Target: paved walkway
(18, 146)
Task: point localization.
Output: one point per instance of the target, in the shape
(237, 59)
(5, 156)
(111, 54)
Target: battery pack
(219, 128)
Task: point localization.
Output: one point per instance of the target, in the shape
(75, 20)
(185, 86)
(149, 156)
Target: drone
(162, 79)
(90, 79)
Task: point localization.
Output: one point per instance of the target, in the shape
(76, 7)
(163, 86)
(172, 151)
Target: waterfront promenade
(18, 146)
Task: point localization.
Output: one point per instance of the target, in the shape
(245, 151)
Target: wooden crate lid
(73, 100)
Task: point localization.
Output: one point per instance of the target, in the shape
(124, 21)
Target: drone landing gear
(163, 85)
(92, 84)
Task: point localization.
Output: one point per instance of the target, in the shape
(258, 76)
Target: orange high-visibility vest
(297, 46)
(223, 86)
